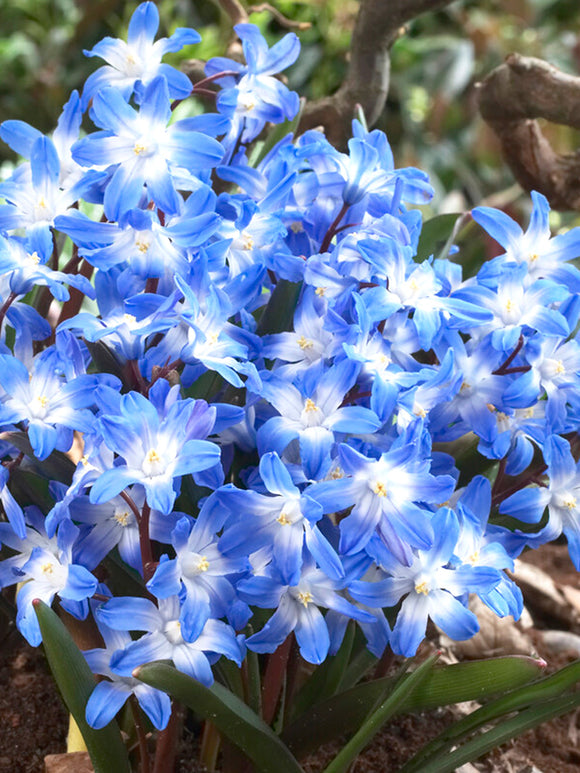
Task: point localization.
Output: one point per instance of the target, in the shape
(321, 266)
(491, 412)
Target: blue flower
(297, 609)
(543, 256)
(108, 697)
(164, 640)
(389, 496)
(144, 149)
(561, 497)
(254, 96)
(50, 571)
(50, 405)
(312, 413)
(157, 450)
(133, 65)
(202, 572)
(35, 196)
(285, 524)
(430, 588)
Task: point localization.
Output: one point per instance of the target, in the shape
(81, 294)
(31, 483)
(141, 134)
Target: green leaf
(327, 677)
(104, 359)
(434, 235)
(29, 488)
(278, 315)
(228, 713)
(536, 694)
(56, 467)
(343, 713)
(403, 690)
(448, 762)
(76, 682)
(359, 667)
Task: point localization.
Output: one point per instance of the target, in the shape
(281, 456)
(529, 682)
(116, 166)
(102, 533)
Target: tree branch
(377, 27)
(511, 98)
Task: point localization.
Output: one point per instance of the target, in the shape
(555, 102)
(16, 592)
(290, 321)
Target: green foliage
(76, 682)
(228, 713)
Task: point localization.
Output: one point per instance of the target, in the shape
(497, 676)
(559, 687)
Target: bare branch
(378, 25)
(282, 20)
(237, 14)
(234, 9)
(511, 98)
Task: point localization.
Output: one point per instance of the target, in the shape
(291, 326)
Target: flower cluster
(266, 397)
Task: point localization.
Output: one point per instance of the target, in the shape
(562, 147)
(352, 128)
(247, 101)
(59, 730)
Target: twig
(511, 98)
(378, 25)
(282, 20)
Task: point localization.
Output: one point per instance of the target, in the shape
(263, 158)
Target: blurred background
(431, 117)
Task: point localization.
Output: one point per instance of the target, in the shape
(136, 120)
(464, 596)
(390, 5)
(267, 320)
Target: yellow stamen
(122, 518)
(305, 343)
(423, 588)
(152, 457)
(283, 519)
(310, 406)
(380, 489)
(305, 597)
(203, 564)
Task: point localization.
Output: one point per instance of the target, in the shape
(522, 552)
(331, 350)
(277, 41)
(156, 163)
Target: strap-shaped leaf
(539, 693)
(404, 689)
(228, 713)
(56, 467)
(525, 720)
(327, 678)
(435, 234)
(278, 315)
(343, 713)
(76, 682)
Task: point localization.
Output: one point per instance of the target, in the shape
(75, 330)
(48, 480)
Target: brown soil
(33, 722)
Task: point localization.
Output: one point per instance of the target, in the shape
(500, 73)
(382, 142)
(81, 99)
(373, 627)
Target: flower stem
(141, 737)
(274, 679)
(333, 228)
(167, 742)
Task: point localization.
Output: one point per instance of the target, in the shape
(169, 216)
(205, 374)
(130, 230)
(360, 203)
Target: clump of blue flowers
(264, 396)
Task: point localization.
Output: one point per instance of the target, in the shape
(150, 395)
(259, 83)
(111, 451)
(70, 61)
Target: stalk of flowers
(264, 483)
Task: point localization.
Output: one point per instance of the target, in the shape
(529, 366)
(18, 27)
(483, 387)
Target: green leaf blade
(228, 713)
(373, 723)
(76, 682)
(345, 712)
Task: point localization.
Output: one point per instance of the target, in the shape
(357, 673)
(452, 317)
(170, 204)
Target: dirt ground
(33, 722)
